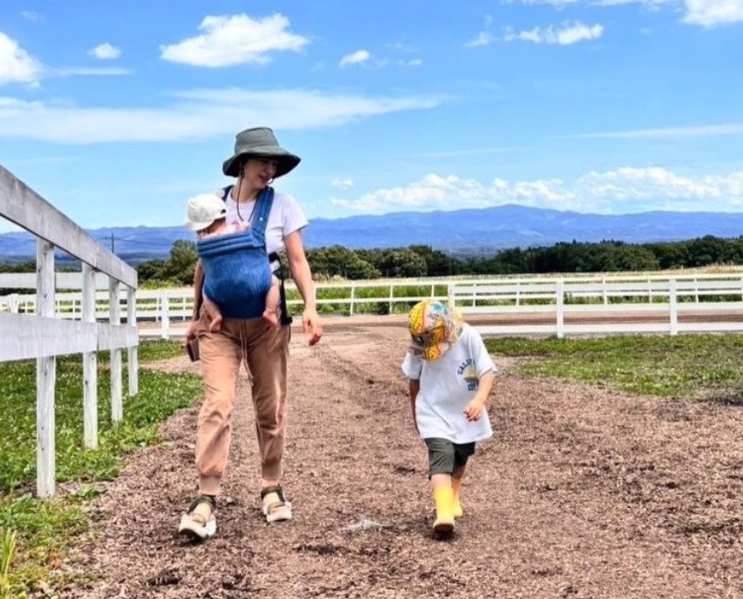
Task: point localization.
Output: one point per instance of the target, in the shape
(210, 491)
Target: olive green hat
(259, 142)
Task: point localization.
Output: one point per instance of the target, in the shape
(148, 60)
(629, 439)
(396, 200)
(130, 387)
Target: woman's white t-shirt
(285, 217)
(447, 385)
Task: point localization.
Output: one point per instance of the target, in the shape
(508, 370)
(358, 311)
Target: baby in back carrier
(236, 276)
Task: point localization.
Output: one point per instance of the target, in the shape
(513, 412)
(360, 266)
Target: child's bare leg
(443, 497)
(215, 316)
(456, 485)
(273, 297)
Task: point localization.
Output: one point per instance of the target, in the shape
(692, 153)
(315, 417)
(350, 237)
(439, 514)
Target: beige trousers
(264, 350)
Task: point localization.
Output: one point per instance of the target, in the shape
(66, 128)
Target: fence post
(560, 304)
(353, 295)
(90, 365)
(45, 376)
(673, 303)
(164, 314)
(132, 352)
(604, 291)
(450, 295)
(13, 303)
(392, 297)
(114, 310)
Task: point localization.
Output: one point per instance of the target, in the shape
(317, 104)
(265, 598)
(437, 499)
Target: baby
(206, 215)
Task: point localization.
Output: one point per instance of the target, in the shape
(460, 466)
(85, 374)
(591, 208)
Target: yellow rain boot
(456, 485)
(443, 497)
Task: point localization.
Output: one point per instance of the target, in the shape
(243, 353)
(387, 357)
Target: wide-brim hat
(434, 328)
(259, 142)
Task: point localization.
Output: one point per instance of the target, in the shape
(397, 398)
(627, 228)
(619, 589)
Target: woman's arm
(198, 286)
(302, 276)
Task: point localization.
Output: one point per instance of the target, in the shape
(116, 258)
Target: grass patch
(684, 367)
(43, 529)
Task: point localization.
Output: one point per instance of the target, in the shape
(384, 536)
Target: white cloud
(17, 65)
(105, 51)
(565, 35)
(709, 13)
(484, 38)
(358, 57)
(555, 3)
(196, 114)
(238, 39)
(415, 62)
(89, 72)
(660, 188)
(342, 184)
(650, 4)
(669, 132)
(621, 191)
(466, 152)
(31, 15)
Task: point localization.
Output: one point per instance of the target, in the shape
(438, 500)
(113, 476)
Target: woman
(257, 161)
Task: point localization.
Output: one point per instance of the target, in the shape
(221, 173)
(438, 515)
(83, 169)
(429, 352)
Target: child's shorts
(444, 456)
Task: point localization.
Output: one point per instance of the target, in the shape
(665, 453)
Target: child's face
(213, 228)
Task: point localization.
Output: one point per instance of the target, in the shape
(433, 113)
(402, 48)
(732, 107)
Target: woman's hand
(311, 325)
(191, 332)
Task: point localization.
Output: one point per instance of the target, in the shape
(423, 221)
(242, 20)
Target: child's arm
(476, 407)
(414, 386)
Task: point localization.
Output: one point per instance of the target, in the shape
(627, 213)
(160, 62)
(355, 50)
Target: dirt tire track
(583, 493)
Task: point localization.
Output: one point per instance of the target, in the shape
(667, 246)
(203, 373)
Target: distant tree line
(425, 261)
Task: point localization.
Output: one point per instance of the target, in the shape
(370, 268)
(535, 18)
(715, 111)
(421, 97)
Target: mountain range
(470, 231)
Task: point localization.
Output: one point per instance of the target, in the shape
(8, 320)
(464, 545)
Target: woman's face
(258, 172)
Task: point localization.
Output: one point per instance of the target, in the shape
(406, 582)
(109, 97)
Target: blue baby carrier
(237, 269)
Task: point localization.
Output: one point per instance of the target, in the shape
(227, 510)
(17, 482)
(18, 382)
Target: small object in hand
(192, 347)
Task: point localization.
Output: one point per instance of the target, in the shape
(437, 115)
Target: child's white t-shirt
(286, 216)
(447, 385)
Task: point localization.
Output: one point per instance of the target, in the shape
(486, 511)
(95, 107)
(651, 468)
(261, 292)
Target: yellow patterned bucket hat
(434, 328)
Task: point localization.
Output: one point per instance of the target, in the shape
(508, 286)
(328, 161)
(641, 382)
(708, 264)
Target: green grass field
(682, 367)
(33, 533)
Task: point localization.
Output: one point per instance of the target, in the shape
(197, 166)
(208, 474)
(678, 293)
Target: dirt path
(584, 493)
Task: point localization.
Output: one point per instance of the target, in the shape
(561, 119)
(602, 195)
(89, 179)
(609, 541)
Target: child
(450, 377)
(206, 215)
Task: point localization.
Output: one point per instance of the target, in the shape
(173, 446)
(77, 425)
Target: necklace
(237, 205)
(250, 216)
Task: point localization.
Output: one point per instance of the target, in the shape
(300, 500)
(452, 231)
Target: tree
(438, 264)
(403, 263)
(182, 263)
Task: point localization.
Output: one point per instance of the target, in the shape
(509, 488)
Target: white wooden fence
(661, 303)
(669, 303)
(40, 333)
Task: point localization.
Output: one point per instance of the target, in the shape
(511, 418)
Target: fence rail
(669, 304)
(576, 305)
(39, 329)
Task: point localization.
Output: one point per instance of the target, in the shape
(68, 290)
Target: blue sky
(117, 112)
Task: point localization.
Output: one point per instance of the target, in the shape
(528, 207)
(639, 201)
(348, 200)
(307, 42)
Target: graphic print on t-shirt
(468, 372)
